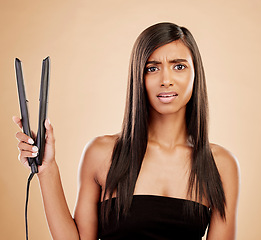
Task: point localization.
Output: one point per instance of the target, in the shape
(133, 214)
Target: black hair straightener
(40, 138)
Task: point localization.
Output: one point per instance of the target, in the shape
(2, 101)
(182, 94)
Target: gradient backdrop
(89, 43)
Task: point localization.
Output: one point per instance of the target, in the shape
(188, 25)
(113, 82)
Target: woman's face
(169, 78)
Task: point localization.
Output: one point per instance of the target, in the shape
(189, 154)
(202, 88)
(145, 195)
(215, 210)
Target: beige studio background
(89, 43)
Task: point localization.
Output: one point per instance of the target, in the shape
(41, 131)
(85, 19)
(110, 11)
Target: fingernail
(34, 154)
(30, 140)
(35, 149)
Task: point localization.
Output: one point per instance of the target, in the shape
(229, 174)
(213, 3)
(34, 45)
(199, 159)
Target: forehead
(173, 50)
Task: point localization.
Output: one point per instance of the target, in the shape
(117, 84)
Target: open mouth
(167, 97)
(167, 94)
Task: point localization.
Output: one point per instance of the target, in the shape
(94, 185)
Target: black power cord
(26, 202)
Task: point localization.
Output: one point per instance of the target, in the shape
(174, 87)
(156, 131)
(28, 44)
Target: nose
(167, 78)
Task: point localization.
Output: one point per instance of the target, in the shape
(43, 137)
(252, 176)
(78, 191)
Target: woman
(159, 178)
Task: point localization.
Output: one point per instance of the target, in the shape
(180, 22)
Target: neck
(168, 130)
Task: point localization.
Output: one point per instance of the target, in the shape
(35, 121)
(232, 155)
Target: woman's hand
(27, 148)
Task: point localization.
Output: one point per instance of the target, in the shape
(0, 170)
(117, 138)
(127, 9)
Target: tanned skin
(166, 165)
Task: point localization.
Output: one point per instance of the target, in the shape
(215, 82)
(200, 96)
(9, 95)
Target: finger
(49, 131)
(22, 146)
(26, 154)
(23, 137)
(24, 161)
(23, 157)
(17, 121)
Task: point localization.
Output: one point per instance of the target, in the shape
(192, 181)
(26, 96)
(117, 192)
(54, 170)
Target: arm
(95, 162)
(89, 190)
(229, 171)
(60, 221)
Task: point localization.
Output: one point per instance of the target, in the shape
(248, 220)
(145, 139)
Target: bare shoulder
(100, 146)
(96, 156)
(226, 161)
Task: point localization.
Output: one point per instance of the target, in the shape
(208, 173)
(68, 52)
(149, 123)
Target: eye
(180, 67)
(151, 69)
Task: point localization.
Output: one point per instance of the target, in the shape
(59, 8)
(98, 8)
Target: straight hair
(131, 145)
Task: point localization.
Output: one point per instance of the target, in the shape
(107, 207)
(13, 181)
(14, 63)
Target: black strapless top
(156, 217)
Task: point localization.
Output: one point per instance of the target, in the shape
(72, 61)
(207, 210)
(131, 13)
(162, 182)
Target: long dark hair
(130, 147)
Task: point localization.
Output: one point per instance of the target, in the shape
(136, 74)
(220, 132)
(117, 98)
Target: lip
(167, 97)
(164, 94)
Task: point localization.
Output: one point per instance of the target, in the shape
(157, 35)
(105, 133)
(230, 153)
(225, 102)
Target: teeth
(168, 95)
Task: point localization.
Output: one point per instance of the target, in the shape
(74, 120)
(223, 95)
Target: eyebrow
(178, 60)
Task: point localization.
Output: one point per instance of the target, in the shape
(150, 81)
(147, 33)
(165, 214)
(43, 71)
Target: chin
(167, 110)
